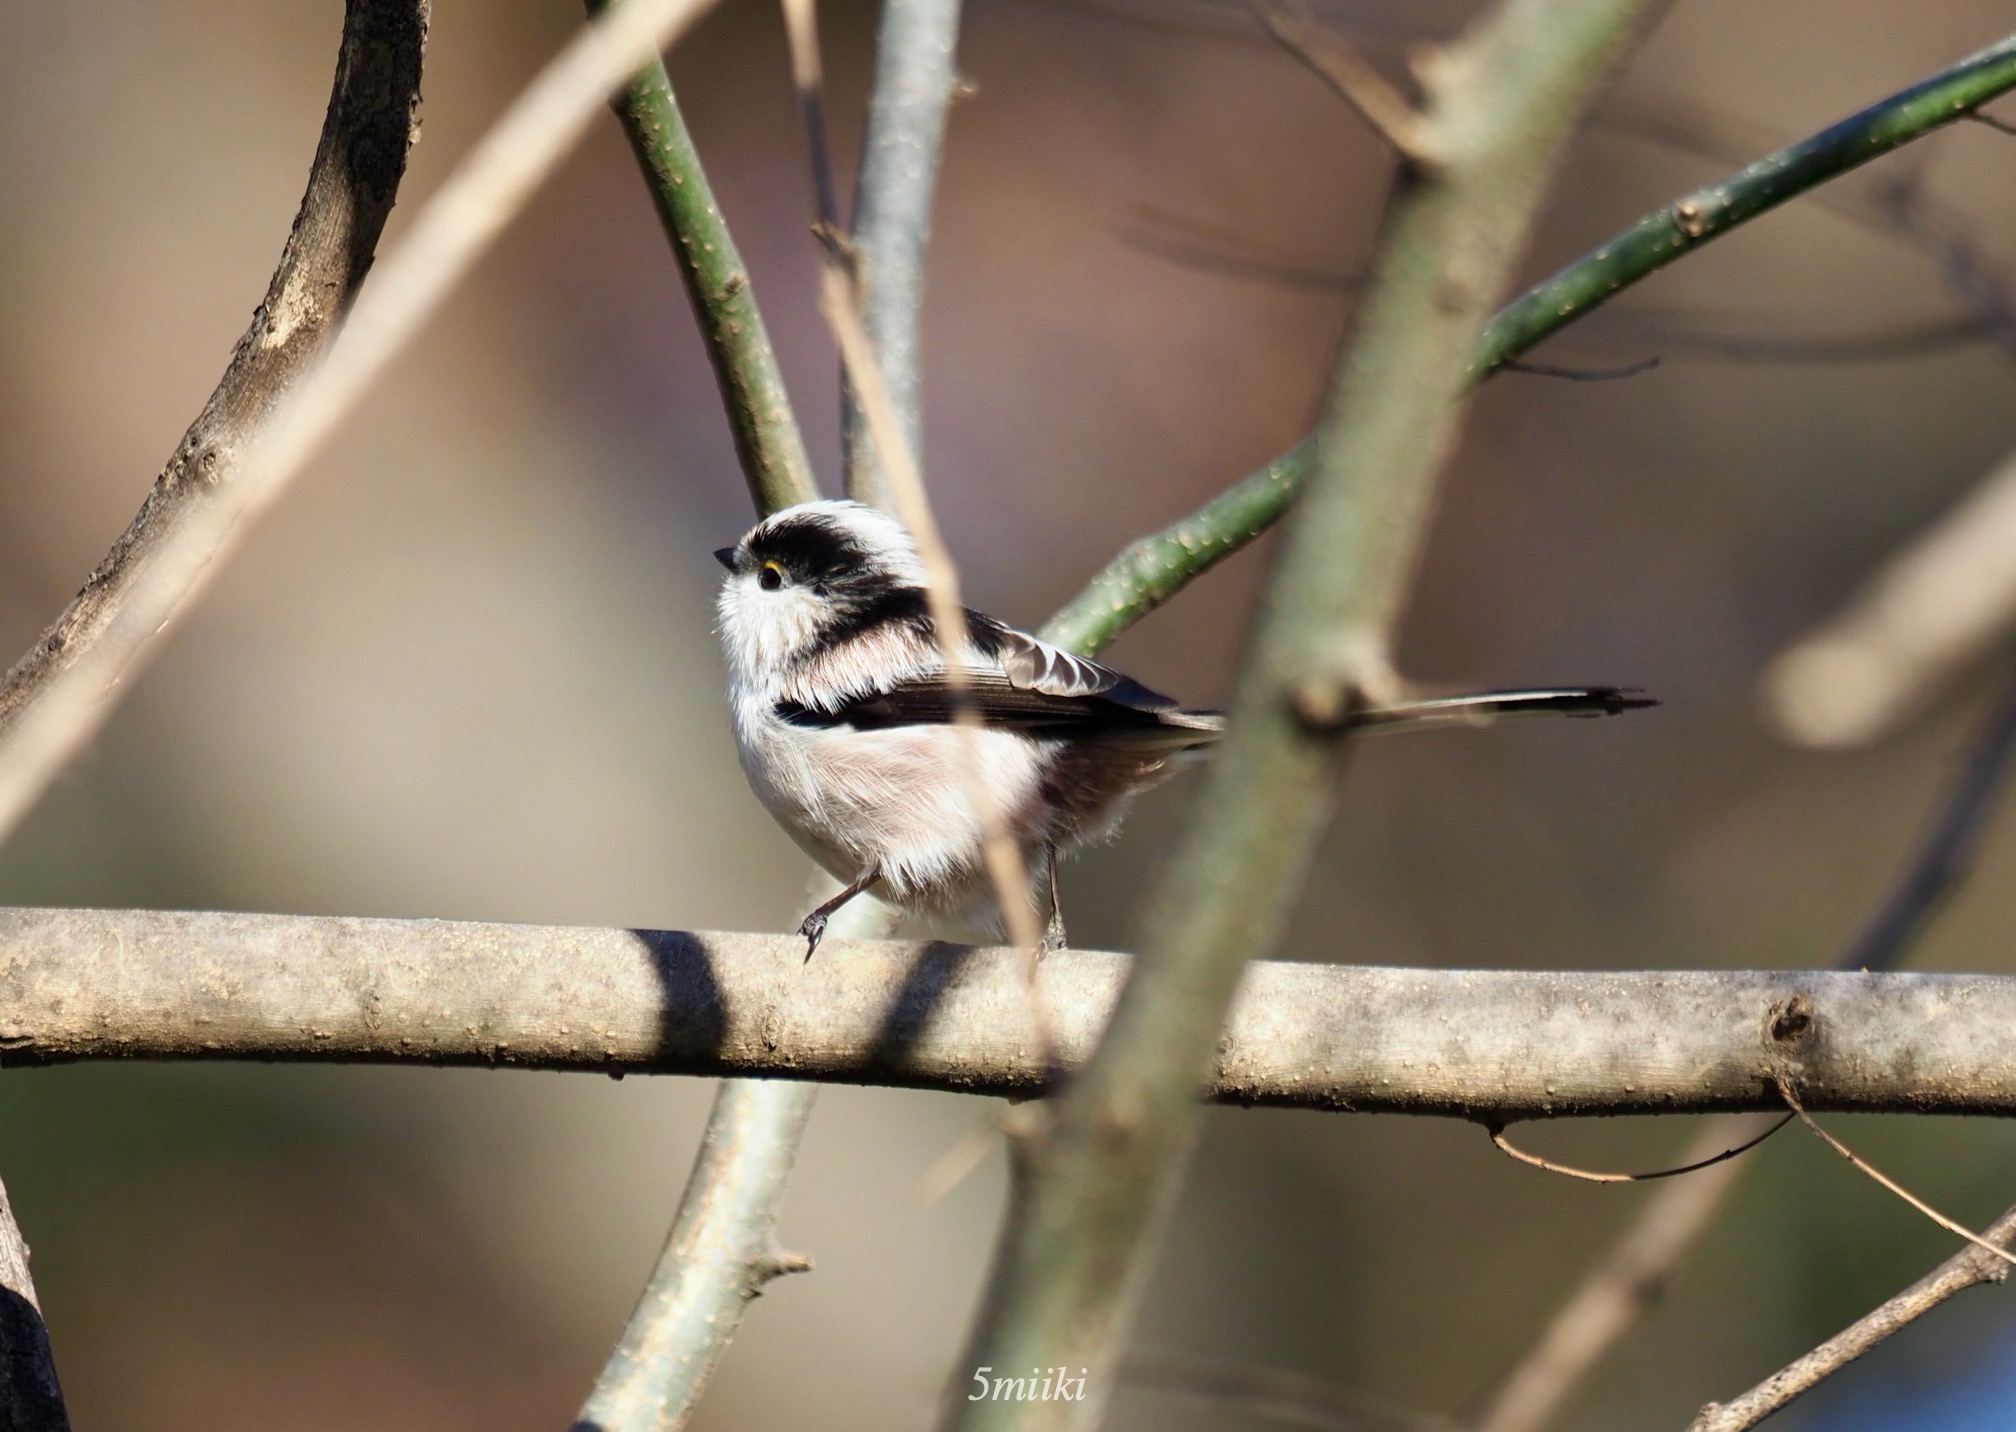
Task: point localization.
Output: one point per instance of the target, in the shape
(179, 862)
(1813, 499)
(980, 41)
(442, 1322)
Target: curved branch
(1154, 568)
(366, 134)
(457, 225)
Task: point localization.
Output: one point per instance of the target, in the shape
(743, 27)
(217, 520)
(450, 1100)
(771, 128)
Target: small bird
(844, 720)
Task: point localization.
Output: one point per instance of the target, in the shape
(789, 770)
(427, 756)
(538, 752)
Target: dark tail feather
(1483, 708)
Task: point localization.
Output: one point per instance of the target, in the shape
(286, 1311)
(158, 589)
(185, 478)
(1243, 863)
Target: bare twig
(1359, 84)
(915, 80)
(1965, 1269)
(371, 119)
(1156, 567)
(1946, 852)
(1689, 1165)
(447, 236)
(30, 1398)
(1620, 1287)
(1617, 1290)
(1885, 1181)
(1584, 375)
(840, 301)
(1073, 1260)
(801, 25)
(721, 1253)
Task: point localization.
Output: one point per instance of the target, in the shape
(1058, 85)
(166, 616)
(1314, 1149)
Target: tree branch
(71, 700)
(30, 1398)
(720, 1255)
(1622, 1285)
(1101, 1179)
(1963, 1270)
(352, 182)
(1494, 1046)
(1156, 567)
(767, 440)
(915, 81)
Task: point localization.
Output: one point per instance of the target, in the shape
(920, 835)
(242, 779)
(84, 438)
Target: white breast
(895, 799)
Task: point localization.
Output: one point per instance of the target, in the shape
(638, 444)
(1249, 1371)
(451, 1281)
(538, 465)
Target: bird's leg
(814, 925)
(1053, 926)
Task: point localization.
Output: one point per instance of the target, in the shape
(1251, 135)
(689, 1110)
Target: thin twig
(1006, 868)
(915, 81)
(808, 80)
(410, 283)
(1156, 567)
(1621, 1285)
(1883, 1179)
(1379, 103)
(1965, 1269)
(352, 182)
(31, 1399)
(1691, 1165)
(767, 440)
(1072, 1263)
(1583, 375)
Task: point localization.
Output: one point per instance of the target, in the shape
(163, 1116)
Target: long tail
(1484, 708)
(1196, 730)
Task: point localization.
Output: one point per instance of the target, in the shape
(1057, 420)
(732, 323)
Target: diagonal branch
(719, 1256)
(352, 182)
(1349, 76)
(1966, 1269)
(1102, 1177)
(767, 440)
(1156, 567)
(71, 700)
(1617, 1291)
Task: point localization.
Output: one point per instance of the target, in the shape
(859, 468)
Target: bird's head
(803, 577)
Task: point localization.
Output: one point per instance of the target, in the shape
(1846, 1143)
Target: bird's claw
(813, 929)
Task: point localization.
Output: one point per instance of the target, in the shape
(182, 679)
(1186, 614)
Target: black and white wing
(1024, 684)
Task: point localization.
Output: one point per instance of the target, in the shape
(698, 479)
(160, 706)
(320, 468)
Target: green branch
(1095, 1188)
(767, 441)
(1158, 566)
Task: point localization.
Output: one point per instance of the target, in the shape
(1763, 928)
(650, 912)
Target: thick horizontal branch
(1489, 1045)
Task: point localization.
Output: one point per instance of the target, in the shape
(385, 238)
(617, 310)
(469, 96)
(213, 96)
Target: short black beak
(726, 557)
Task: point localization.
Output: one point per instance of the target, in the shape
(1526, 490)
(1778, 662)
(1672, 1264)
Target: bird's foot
(1053, 936)
(813, 929)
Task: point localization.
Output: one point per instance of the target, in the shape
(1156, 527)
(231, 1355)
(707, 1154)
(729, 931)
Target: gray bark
(1495, 1046)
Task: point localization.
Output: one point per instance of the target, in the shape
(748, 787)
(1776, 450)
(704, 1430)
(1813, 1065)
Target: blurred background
(467, 670)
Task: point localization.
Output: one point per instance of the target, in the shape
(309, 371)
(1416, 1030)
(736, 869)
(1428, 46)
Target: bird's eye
(771, 577)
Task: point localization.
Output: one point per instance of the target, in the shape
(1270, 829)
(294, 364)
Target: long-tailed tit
(844, 719)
